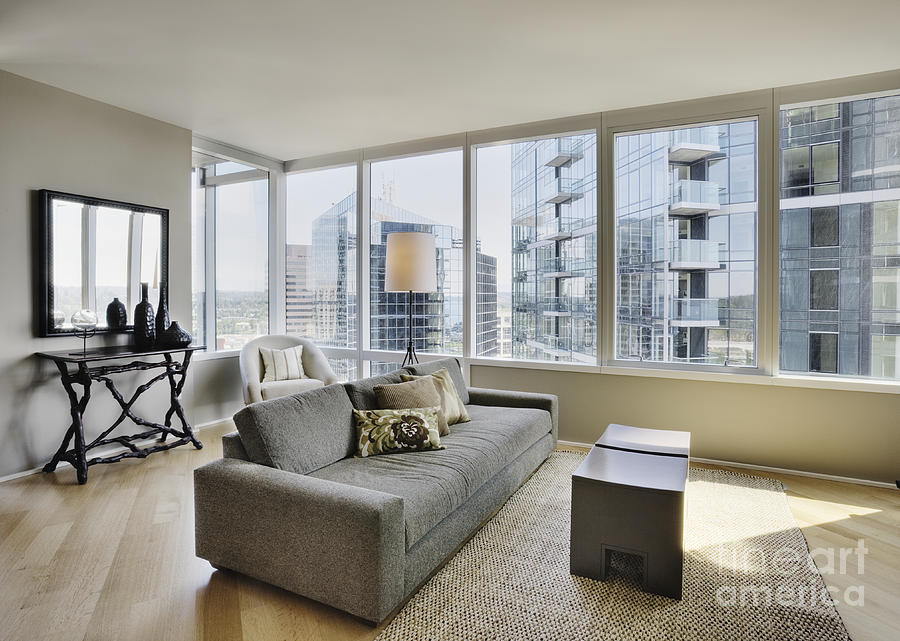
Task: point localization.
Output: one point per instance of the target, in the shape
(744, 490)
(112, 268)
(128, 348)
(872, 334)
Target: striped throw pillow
(282, 364)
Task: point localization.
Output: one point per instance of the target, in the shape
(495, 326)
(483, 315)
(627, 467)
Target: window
(839, 255)
(823, 353)
(424, 194)
(231, 207)
(686, 216)
(320, 257)
(536, 212)
(823, 289)
(824, 227)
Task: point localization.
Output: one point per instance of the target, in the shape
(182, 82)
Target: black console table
(92, 365)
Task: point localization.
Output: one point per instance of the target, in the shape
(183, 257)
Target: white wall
(57, 140)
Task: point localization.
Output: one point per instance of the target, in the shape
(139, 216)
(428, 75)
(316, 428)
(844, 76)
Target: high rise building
(437, 316)
(840, 237)
(685, 211)
(299, 295)
(554, 249)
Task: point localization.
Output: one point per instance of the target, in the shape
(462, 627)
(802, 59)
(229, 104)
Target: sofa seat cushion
(433, 484)
(277, 389)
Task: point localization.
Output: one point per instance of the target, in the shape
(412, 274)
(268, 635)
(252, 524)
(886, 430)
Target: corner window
(230, 222)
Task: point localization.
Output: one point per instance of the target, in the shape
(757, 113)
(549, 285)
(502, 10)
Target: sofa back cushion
(452, 365)
(299, 433)
(362, 392)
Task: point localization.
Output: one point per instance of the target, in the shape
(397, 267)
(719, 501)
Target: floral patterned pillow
(392, 431)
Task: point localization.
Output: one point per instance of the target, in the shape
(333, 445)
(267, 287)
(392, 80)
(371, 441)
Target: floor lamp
(410, 266)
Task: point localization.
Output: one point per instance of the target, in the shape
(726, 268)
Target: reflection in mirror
(97, 251)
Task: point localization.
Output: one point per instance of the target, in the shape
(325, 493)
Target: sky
(427, 185)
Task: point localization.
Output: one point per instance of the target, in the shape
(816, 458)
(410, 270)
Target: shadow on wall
(26, 377)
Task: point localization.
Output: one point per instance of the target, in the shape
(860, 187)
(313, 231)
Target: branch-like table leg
(175, 393)
(77, 457)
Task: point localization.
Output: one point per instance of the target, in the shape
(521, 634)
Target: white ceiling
(294, 78)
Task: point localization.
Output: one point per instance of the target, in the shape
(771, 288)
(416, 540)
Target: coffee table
(628, 496)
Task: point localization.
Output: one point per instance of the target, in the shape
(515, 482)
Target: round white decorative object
(84, 320)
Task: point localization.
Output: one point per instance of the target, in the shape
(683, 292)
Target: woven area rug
(512, 581)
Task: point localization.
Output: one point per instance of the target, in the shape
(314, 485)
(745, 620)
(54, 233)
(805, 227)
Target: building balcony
(694, 312)
(691, 197)
(556, 345)
(691, 145)
(556, 267)
(565, 305)
(560, 190)
(555, 229)
(689, 254)
(520, 276)
(560, 152)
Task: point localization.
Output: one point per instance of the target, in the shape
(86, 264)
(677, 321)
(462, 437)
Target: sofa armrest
(506, 398)
(335, 543)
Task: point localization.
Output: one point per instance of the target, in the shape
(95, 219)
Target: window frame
(275, 231)
(763, 105)
(695, 113)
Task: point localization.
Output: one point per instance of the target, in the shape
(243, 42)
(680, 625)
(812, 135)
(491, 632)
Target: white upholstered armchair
(317, 371)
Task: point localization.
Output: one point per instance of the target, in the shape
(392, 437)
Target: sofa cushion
(422, 392)
(362, 392)
(277, 389)
(453, 368)
(394, 431)
(299, 433)
(433, 484)
(451, 404)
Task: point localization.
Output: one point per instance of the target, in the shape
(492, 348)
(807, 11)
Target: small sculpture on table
(85, 323)
(116, 316)
(144, 322)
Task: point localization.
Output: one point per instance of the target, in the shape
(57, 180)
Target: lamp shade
(410, 265)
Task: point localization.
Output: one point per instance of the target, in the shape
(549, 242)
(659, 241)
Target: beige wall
(853, 434)
(57, 140)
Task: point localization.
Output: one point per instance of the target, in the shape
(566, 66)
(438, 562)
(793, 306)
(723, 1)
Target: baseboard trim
(766, 468)
(106, 452)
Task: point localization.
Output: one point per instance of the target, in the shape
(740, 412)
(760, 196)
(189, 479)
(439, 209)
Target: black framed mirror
(91, 251)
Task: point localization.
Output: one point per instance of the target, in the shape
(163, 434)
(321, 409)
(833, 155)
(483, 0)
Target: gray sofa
(288, 504)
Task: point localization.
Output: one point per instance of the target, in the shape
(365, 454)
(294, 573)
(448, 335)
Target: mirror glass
(98, 251)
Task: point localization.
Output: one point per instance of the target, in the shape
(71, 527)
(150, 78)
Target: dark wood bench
(628, 496)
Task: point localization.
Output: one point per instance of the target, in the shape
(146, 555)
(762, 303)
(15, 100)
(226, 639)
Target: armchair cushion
(277, 389)
(282, 364)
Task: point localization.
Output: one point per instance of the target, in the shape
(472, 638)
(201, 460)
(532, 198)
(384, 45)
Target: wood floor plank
(114, 559)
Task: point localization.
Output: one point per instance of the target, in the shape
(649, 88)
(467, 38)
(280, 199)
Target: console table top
(110, 352)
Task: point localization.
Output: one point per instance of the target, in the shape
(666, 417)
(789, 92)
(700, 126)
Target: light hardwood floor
(114, 559)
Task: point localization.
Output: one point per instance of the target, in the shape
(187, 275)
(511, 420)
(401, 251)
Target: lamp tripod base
(410, 358)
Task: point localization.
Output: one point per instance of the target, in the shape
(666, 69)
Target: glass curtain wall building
(437, 316)
(840, 237)
(685, 211)
(331, 278)
(554, 249)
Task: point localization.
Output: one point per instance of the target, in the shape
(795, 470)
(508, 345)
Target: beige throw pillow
(420, 393)
(282, 364)
(451, 403)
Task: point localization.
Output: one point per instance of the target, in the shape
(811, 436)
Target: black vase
(144, 322)
(162, 311)
(175, 336)
(116, 316)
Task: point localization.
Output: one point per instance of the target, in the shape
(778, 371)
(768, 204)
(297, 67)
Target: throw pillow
(393, 431)
(420, 393)
(282, 364)
(451, 403)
